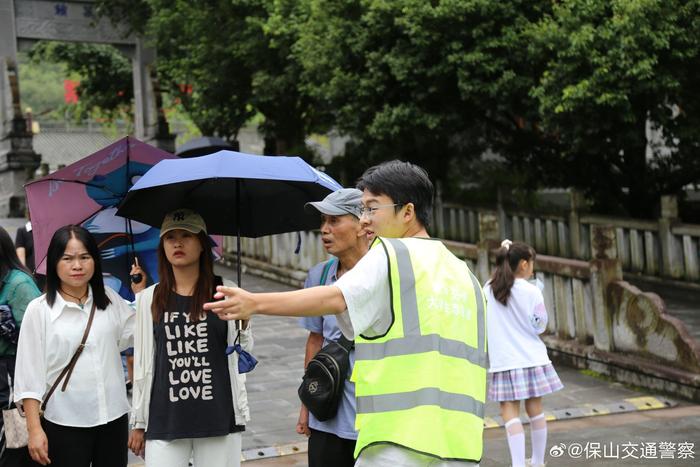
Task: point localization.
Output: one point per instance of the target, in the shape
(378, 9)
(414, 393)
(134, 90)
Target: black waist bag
(324, 378)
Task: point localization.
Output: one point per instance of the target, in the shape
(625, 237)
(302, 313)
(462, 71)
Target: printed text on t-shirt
(189, 370)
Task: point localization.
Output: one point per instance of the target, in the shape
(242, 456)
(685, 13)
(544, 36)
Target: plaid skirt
(523, 383)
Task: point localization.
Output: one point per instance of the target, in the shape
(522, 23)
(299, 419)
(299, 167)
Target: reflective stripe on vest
(441, 397)
(425, 396)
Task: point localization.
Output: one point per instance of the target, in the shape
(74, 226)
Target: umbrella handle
(138, 277)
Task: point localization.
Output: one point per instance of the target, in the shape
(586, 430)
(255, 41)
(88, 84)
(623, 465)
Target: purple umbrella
(87, 192)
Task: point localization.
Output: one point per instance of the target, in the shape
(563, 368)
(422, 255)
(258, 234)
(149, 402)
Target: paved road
(622, 438)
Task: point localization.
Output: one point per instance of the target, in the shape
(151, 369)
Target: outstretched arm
(240, 304)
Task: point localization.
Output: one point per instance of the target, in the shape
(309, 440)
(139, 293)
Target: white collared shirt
(49, 336)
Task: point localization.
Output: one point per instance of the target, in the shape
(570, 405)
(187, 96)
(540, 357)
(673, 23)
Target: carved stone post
(671, 260)
(150, 123)
(575, 223)
(17, 157)
(605, 269)
(489, 238)
(439, 214)
(502, 217)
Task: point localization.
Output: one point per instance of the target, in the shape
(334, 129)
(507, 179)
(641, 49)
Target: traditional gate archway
(23, 22)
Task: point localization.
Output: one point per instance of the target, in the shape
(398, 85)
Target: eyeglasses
(369, 211)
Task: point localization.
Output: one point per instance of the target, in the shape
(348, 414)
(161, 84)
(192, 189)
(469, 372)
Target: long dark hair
(8, 256)
(57, 248)
(163, 295)
(507, 262)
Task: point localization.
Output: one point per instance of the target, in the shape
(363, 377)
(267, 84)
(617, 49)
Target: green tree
(227, 61)
(105, 76)
(41, 86)
(616, 71)
(432, 82)
(289, 113)
(205, 56)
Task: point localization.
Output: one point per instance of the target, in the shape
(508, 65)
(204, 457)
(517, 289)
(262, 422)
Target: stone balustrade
(596, 320)
(662, 248)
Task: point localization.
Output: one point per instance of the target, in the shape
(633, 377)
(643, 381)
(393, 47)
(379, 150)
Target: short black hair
(57, 247)
(404, 183)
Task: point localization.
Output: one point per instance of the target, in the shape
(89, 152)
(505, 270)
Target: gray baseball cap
(339, 203)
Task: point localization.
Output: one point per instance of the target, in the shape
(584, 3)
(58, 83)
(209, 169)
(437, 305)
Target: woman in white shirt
(85, 422)
(519, 366)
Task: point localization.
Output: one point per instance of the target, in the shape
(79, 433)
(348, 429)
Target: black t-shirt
(191, 395)
(25, 240)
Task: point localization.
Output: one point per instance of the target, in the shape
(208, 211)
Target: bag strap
(68, 370)
(12, 391)
(326, 269)
(345, 343)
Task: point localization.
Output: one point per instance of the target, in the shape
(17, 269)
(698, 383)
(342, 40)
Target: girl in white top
(85, 424)
(519, 366)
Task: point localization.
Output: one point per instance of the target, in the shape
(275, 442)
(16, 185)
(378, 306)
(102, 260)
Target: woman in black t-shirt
(189, 400)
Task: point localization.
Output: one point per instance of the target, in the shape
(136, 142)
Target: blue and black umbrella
(236, 193)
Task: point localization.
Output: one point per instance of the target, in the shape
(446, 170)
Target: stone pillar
(144, 107)
(163, 138)
(489, 238)
(439, 214)
(577, 202)
(671, 259)
(8, 53)
(605, 269)
(502, 218)
(17, 157)
(150, 123)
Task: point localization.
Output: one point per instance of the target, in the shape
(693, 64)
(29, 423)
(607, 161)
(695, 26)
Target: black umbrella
(202, 146)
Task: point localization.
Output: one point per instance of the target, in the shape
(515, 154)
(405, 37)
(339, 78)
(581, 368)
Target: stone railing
(273, 256)
(596, 320)
(664, 247)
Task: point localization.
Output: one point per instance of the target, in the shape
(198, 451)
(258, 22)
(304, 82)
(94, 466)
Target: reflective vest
(422, 385)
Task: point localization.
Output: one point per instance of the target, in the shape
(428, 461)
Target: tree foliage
(432, 82)
(619, 75)
(206, 55)
(600, 96)
(105, 75)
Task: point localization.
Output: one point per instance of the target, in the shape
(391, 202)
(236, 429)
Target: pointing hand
(233, 303)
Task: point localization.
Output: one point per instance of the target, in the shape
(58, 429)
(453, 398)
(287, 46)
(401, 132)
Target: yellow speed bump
(648, 403)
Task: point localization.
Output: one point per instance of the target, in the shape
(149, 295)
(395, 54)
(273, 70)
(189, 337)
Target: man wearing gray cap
(332, 442)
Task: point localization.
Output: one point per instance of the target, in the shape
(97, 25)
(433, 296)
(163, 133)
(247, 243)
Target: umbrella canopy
(235, 193)
(87, 193)
(202, 146)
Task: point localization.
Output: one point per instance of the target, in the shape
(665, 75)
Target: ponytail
(509, 256)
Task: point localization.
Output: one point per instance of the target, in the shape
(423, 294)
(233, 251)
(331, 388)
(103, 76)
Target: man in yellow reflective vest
(416, 313)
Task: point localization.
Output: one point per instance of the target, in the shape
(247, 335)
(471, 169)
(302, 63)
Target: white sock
(516, 441)
(538, 436)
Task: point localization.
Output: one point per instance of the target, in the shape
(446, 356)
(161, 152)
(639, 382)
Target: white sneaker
(528, 463)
